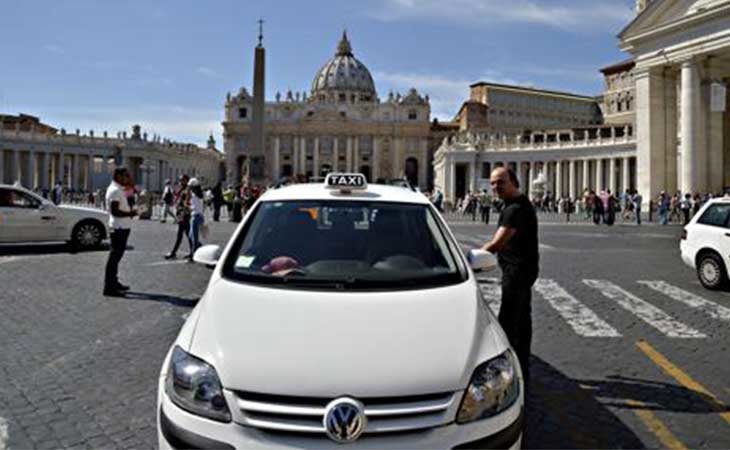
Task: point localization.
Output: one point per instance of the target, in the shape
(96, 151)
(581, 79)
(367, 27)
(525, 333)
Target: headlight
(494, 387)
(193, 385)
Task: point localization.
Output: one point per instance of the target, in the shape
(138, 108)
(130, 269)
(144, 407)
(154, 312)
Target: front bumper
(178, 429)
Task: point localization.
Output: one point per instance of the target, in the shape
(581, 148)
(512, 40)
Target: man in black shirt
(517, 250)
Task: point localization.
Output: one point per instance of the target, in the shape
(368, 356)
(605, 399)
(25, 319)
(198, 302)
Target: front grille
(305, 414)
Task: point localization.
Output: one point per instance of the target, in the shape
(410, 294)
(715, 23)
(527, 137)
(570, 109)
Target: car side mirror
(481, 261)
(207, 255)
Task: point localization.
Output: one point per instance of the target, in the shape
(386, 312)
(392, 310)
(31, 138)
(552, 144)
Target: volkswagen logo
(344, 420)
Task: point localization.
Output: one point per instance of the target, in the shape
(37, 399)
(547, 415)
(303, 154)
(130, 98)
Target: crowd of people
(602, 207)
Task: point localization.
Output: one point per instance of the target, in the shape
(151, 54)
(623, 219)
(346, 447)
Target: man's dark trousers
(183, 229)
(515, 313)
(485, 215)
(118, 240)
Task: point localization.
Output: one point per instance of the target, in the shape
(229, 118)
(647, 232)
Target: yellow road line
(684, 379)
(656, 426)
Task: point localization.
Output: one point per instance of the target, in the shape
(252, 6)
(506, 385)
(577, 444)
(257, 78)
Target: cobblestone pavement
(79, 370)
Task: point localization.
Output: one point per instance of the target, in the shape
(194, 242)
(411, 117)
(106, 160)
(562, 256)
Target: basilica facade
(341, 124)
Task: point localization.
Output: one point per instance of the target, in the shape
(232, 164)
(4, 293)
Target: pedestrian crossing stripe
(644, 310)
(586, 323)
(712, 309)
(580, 317)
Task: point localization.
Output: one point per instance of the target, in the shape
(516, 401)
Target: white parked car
(27, 217)
(341, 313)
(705, 243)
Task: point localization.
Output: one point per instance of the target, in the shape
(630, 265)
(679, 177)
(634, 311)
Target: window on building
(412, 115)
(343, 98)
(242, 113)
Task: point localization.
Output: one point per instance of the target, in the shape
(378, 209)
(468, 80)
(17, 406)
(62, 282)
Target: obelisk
(257, 151)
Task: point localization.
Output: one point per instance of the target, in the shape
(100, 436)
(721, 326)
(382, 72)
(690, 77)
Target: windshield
(344, 245)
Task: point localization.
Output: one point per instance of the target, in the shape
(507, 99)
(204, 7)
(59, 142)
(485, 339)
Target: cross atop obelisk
(261, 31)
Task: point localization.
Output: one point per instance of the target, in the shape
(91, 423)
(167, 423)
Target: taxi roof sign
(346, 181)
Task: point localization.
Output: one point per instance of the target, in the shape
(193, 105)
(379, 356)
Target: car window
(10, 198)
(715, 215)
(343, 244)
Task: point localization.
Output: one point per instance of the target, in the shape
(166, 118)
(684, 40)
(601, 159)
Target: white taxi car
(705, 243)
(27, 217)
(341, 313)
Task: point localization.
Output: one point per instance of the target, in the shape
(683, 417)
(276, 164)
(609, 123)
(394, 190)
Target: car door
(23, 218)
(714, 230)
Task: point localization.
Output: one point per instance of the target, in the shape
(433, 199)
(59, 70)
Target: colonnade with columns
(83, 163)
(565, 175)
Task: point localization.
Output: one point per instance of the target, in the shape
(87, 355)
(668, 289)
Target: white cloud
(53, 48)
(578, 15)
(207, 72)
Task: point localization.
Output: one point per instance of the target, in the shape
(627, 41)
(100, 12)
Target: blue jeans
(663, 216)
(638, 216)
(195, 223)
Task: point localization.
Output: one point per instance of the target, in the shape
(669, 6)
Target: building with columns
(341, 124)
(38, 156)
(665, 124)
(601, 157)
(501, 108)
(681, 51)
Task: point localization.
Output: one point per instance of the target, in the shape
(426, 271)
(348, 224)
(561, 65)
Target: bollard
(651, 209)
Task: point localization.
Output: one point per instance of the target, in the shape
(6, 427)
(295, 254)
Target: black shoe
(112, 292)
(121, 287)
(189, 258)
(170, 256)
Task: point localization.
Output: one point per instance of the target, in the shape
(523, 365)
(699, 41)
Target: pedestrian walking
(516, 245)
(485, 204)
(120, 215)
(182, 212)
(237, 208)
(197, 213)
(686, 207)
(663, 208)
(637, 200)
(168, 198)
(217, 201)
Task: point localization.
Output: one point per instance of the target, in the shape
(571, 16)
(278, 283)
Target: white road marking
(166, 263)
(4, 437)
(693, 301)
(185, 316)
(492, 293)
(647, 312)
(582, 319)
(8, 259)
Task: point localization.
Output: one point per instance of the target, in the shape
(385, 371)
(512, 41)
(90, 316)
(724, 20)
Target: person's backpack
(167, 198)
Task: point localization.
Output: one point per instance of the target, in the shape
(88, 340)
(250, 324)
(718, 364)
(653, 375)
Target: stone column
(715, 137)
(612, 175)
(375, 172)
(558, 179)
(599, 175)
(692, 156)
(348, 155)
(651, 138)
(424, 165)
(530, 176)
(295, 155)
(31, 169)
(586, 176)
(16, 167)
(2, 166)
(315, 158)
(76, 172)
(396, 150)
(335, 154)
(90, 173)
(275, 170)
(626, 174)
(303, 155)
(571, 179)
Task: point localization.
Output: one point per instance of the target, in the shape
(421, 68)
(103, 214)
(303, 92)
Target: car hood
(307, 343)
(81, 211)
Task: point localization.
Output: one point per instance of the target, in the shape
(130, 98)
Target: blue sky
(167, 65)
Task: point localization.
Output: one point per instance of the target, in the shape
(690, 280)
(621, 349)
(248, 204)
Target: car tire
(711, 271)
(87, 234)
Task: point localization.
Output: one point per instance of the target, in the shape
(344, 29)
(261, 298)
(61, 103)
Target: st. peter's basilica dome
(344, 78)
